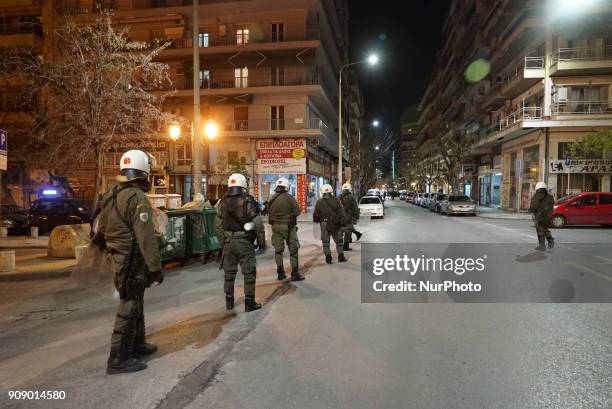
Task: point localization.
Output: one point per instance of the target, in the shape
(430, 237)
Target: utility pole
(393, 167)
(197, 141)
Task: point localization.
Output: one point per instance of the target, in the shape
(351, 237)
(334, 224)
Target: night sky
(406, 35)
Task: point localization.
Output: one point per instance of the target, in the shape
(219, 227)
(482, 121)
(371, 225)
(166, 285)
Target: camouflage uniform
(127, 225)
(330, 214)
(351, 210)
(541, 206)
(283, 211)
(234, 212)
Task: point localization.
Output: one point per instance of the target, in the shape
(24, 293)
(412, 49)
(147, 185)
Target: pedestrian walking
(330, 214)
(124, 227)
(283, 210)
(236, 230)
(351, 215)
(541, 207)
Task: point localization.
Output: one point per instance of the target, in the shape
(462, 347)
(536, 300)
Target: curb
(503, 217)
(39, 247)
(27, 276)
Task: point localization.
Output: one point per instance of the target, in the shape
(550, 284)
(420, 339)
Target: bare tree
(452, 149)
(375, 147)
(96, 91)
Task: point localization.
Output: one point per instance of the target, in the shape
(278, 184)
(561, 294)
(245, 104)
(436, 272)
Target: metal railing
(581, 108)
(21, 28)
(19, 102)
(534, 63)
(187, 42)
(274, 124)
(582, 54)
(525, 113)
(255, 80)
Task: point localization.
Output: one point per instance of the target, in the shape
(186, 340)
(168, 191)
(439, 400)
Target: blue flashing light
(49, 192)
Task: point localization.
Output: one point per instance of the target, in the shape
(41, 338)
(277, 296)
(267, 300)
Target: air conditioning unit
(560, 97)
(299, 120)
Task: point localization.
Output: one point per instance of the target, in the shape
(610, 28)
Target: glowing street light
(211, 129)
(375, 123)
(175, 131)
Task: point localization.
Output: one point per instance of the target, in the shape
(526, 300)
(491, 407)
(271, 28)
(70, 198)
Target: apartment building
(268, 75)
(549, 83)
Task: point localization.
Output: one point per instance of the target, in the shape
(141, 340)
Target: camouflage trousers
(349, 230)
(238, 250)
(325, 239)
(543, 231)
(281, 234)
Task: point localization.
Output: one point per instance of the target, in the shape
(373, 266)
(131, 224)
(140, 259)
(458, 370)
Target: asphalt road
(315, 344)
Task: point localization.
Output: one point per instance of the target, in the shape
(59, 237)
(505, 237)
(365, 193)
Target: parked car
(458, 204)
(47, 213)
(583, 208)
(410, 197)
(15, 219)
(434, 202)
(371, 206)
(425, 200)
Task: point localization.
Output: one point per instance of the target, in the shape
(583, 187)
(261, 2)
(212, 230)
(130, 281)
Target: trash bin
(176, 236)
(197, 242)
(211, 235)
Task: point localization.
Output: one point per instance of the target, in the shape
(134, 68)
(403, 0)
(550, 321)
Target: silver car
(458, 204)
(436, 201)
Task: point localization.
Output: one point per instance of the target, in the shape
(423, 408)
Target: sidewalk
(24, 242)
(34, 264)
(498, 213)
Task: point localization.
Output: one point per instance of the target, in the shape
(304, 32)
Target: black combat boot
(144, 349)
(115, 366)
(250, 304)
(296, 276)
(229, 302)
(542, 244)
(280, 271)
(359, 234)
(328, 258)
(346, 247)
(551, 243)
(341, 258)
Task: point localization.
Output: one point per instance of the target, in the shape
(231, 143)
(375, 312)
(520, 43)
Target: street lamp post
(211, 130)
(372, 60)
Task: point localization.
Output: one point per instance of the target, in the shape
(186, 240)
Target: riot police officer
(236, 230)
(283, 211)
(330, 214)
(351, 211)
(125, 229)
(541, 207)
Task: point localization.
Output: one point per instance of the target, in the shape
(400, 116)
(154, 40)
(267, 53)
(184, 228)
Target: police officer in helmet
(283, 211)
(125, 229)
(351, 211)
(330, 214)
(236, 230)
(541, 207)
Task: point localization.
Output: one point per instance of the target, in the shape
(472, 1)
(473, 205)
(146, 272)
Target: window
(605, 199)
(241, 118)
(242, 36)
(222, 30)
(277, 76)
(241, 77)
(203, 40)
(233, 158)
(278, 32)
(183, 155)
(588, 200)
(277, 118)
(204, 78)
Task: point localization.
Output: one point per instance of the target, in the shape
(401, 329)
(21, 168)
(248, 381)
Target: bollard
(34, 231)
(79, 251)
(7, 261)
(3, 232)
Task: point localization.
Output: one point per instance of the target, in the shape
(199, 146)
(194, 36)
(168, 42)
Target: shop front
(320, 170)
(282, 158)
(521, 169)
(583, 175)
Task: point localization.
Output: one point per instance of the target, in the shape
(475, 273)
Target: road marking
(531, 236)
(589, 270)
(606, 259)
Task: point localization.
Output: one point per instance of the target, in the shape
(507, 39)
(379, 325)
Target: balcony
(20, 34)
(256, 80)
(494, 98)
(266, 128)
(509, 127)
(581, 61)
(19, 102)
(581, 108)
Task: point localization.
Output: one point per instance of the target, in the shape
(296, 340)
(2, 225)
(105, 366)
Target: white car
(371, 206)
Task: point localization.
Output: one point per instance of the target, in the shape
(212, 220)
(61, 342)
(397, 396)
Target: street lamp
(375, 123)
(371, 60)
(211, 130)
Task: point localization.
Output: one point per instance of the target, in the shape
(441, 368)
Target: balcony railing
(582, 54)
(19, 102)
(21, 28)
(534, 63)
(256, 80)
(525, 113)
(278, 124)
(581, 108)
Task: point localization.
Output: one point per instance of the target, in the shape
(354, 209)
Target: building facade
(523, 79)
(268, 78)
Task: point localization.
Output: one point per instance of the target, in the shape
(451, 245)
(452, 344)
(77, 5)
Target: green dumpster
(196, 233)
(176, 236)
(212, 241)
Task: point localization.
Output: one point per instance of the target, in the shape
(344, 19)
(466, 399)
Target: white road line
(589, 270)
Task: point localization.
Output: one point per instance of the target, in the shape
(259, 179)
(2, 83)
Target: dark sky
(406, 35)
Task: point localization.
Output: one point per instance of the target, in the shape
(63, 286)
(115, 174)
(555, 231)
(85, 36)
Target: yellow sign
(299, 153)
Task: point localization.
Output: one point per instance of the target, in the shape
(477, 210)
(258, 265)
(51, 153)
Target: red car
(583, 208)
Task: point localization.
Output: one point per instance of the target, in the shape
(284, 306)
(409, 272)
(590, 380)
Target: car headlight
(8, 223)
(454, 208)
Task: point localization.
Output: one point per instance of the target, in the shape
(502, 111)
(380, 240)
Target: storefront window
(513, 180)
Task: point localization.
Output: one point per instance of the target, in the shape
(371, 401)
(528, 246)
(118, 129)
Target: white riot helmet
(540, 185)
(347, 186)
(237, 180)
(282, 184)
(136, 164)
(326, 189)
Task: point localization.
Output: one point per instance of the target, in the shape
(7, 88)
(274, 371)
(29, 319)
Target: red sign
(301, 192)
